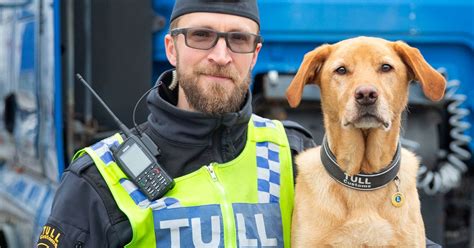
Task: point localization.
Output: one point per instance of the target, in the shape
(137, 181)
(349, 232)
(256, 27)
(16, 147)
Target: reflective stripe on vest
(245, 202)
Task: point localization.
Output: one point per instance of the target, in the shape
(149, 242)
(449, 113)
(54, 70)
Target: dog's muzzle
(368, 109)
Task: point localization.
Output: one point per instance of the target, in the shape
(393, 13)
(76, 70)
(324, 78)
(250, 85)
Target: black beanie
(245, 8)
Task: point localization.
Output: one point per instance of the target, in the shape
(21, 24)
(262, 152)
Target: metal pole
(69, 79)
(88, 65)
(40, 84)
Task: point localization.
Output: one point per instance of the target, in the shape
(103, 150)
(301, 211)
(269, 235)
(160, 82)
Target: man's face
(212, 81)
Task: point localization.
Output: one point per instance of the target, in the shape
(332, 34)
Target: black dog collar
(359, 181)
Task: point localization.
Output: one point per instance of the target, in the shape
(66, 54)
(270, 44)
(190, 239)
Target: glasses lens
(201, 38)
(204, 39)
(242, 42)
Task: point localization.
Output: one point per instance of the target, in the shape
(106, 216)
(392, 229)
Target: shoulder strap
(262, 129)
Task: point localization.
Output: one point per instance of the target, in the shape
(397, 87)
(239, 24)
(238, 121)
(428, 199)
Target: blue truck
(118, 47)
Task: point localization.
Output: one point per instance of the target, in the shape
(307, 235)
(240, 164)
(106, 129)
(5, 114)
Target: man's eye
(239, 37)
(201, 33)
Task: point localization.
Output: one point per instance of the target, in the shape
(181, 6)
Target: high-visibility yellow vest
(245, 202)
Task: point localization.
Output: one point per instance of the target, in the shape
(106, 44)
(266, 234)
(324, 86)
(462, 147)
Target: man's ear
(255, 55)
(432, 82)
(170, 48)
(307, 73)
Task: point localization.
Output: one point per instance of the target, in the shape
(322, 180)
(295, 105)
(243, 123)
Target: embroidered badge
(50, 237)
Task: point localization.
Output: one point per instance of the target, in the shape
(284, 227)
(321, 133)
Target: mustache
(218, 71)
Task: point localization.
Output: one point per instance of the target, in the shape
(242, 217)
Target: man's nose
(220, 53)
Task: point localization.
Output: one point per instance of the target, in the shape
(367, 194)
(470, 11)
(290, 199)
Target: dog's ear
(307, 73)
(432, 82)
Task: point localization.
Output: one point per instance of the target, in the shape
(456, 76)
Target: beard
(211, 97)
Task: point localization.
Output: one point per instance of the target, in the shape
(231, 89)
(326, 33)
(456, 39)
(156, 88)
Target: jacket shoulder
(84, 210)
(81, 164)
(299, 137)
(85, 168)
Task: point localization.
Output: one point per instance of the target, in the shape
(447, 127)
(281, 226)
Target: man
(233, 170)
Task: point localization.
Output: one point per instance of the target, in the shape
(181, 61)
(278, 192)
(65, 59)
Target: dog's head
(364, 81)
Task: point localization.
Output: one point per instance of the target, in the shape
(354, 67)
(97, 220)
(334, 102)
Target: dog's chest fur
(341, 216)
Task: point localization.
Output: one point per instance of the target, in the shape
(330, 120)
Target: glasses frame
(177, 31)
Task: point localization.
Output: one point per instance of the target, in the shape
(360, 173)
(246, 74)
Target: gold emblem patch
(49, 237)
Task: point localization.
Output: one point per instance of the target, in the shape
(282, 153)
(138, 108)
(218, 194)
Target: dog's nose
(366, 95)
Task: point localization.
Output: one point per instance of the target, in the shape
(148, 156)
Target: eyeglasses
(205, 39)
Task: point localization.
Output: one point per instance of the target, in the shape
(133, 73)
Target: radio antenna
(122, 127)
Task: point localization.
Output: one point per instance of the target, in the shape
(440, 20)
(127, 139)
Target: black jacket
(84, 211)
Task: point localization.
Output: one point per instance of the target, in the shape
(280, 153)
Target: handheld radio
(136, 156)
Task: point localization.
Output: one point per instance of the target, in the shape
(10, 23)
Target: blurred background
(117, 45)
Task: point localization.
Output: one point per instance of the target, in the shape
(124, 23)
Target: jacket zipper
(227, 212)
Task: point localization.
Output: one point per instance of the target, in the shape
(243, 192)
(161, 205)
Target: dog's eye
(386, 68)
(341, 70)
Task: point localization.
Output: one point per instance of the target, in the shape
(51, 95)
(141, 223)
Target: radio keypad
(152, 181)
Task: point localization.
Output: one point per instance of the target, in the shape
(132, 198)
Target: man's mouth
(218, 77)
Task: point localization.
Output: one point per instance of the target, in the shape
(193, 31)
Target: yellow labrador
(359, 188)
